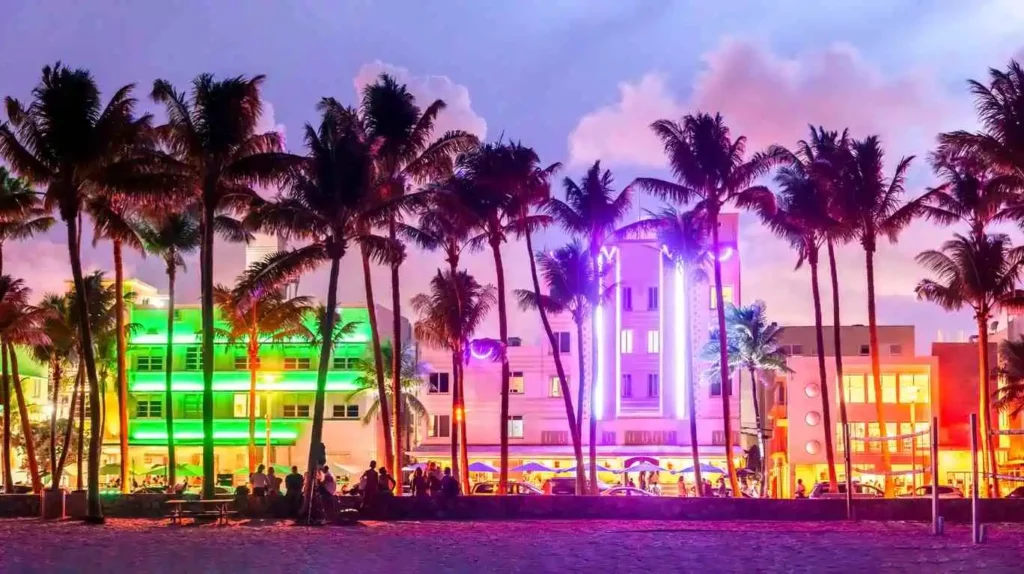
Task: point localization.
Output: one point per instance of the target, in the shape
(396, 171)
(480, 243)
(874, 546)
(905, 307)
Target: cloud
(458, 115)
(771, 99)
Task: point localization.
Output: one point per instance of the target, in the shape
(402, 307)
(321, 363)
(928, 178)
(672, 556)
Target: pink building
(640, 385)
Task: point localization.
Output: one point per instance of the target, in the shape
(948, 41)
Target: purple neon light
(681, 339)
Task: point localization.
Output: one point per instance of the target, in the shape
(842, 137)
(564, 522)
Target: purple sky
(578, 80)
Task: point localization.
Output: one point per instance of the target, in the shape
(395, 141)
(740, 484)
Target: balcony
(192, 381)
(226, 432)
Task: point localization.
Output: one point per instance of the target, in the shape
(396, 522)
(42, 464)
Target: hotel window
(345, 411)
(242, 362)
(149, 363)
(295, 411)
(345, 363)
(564, 342)
(437, 384)
(653, 342)
(914, 388)
(873, 446)
(193, 359)
(297, 363)
(516, 383)
(895, 350)
(515, 426)
(856, 430)
(440, 426)
(652, 298)
(192, 406)
(853, 385)
(241, 404)
(627, 299)
(865, 349)
(627, 386)
(726, 295)
(626, 341)
(888, 389)
(653, 389)
(716, 387)
(796, 350)
(555, 387)
(149, 409)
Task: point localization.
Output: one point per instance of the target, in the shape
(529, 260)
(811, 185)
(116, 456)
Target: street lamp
(268, 381)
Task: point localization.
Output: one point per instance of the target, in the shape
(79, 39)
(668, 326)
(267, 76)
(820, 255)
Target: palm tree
(218, 157)
(981, 274)
(804, 219)
(170, 237)
(1010, 397)
(406, 154)
(684, 236)
(711, 171)
(448, 317)
(873, 206)
(591, 210)
(571, 288)
(971, 193)
(753, 346)
(66, 141)
(60, 352)
(21, 215)
(258, 318)
(411, 372)
(323, 205)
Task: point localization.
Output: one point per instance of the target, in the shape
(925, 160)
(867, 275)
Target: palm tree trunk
(464, 443)
(169, 368)
(691, 401)
(95, 510)
(396, 362)
(838, 340)
(206, 304)
(461, 467)
(6, 388)
(499, 270)
(455, 416)
(723, 358)
(989, 445)
(595, 249)
(317, 429)
(876, 368)
(563, 382)
(26, 425)
(122, 377)
(826, 402)
(58, 471)
(252, 358)
(759, 421)
(580, 397)
(54, 400)
(378, 360)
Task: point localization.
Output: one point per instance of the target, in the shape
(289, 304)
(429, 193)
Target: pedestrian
(449, 486)
(258, 481)
(801, 490)
(419, 483)
(386, 483)
(643, 481)
(273, 483)
(328, 486)
(368, 484)
(433, 480)
(293, 491)
(722, 492)
(630, 483)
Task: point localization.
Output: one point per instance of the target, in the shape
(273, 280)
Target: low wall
(595, 507)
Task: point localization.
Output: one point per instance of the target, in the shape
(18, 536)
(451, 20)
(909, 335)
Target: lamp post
(269, 381)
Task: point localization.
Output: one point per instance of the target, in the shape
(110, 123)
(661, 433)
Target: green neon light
(192, 381)
(194, 339)
(225, 432)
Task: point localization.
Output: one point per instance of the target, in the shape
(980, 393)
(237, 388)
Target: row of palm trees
(375, 177)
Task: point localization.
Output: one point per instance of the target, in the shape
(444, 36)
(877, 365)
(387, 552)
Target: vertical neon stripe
(661, 333)
(618, 331)
(681, 339)
(596, 398)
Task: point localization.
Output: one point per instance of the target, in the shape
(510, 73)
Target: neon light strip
(618, 331)
(192, 381)
(681, 339)
(598, 388)
(161, 339)
(217, 435)
(661, 330)
(725, 253)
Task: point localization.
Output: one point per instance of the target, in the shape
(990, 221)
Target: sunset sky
(579, 80)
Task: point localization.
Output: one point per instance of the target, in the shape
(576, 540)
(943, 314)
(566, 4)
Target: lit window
(653, 342)
(150, 363)
(193, 359)
(440, 426)
(345, 411)
(437, 383)
(652, 298)
(727, 291)
(853, 385)
(297, 363)
(516, 383)
(241, 405)
(515, 426)
(149, 409)
(192, 406)
(627, 299)
(889, 388)
(653, 389)
(555, 388)
(626, 341)
(914, 388)
(627, 386)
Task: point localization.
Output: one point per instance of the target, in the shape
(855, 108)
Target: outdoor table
(220, 509)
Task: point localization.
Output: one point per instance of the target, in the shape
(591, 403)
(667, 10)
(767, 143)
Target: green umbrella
(278, 469)
(181, 469)
(115, 468)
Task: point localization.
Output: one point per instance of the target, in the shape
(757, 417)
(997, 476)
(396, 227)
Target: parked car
(1016, 493)
(514, 488)
(821, 490)
(926, 491)
(626, 491)
(563, 485)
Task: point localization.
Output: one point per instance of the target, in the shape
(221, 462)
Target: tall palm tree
(60, 352)
(218, 156)
(448, 317)
(971, 193)
(685, 238)
(411, 372)
(114, 221)
(21, 212)
(804, 219)
(170, 237)
(324, 205)
(711, 171)
(571, 288)
(982, 274)
(753, 346)
(873, 206)
(254, 319)
(67, 141)
(592, 211)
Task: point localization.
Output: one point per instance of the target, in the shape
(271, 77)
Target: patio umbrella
(642, 467)
(481, 467)
(342, 469)
(414, 466)
(532, 467)
(181, 469)
(704, 469)
(280, 469)
(599, 468)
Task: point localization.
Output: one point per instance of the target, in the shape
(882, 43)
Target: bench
(218, 508)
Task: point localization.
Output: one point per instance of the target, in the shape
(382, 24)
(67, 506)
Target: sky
(578, 80)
